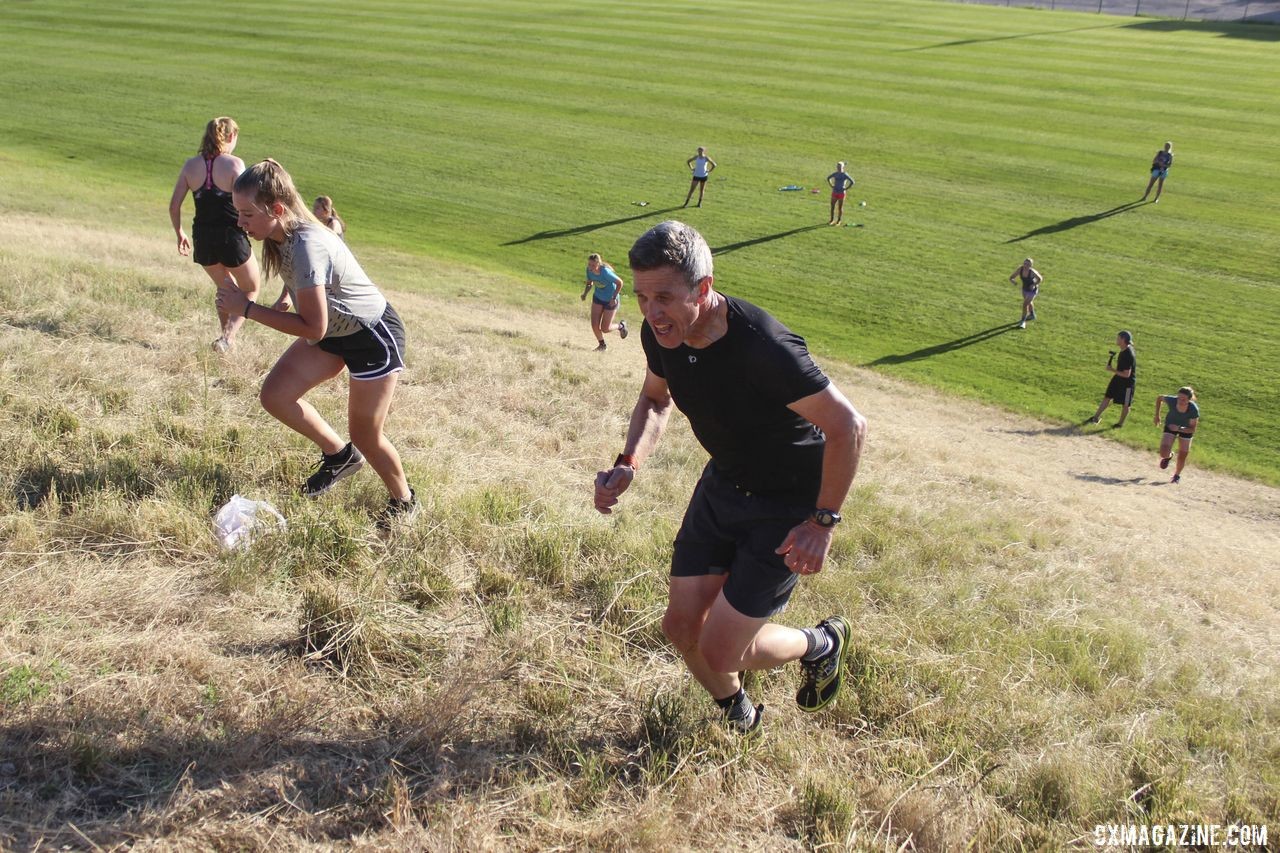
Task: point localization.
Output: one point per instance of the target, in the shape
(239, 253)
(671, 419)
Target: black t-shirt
(1126, 361)
(735, 394)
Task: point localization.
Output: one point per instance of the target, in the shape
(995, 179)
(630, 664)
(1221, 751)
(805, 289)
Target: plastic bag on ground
(241, 520)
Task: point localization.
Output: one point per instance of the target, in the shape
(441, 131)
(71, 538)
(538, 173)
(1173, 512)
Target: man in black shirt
(1125, 378)
(784, 445)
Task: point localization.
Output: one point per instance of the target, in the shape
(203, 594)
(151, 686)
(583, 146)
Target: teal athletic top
(840, 181)
(607, 283)
(1180, 419)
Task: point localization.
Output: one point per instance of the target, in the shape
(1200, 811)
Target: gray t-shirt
(314, 256)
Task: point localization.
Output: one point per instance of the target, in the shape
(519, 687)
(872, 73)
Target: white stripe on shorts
(389, 345)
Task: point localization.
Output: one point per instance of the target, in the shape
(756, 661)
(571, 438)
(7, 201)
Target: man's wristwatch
(824, 517)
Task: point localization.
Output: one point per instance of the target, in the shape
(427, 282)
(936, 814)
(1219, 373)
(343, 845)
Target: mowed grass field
(515, 136)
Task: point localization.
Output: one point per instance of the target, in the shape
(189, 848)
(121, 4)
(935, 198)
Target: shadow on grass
(1261, 27)
(755, 241)
(1110, 481)
(964, 42)
(939, 349)
(1069, 429)
(587, 229)
(1077, 221)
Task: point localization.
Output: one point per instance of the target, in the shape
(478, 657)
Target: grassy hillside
(514, 135)
(1028, 663)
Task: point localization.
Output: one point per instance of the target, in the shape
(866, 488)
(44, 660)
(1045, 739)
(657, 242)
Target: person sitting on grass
(1180, 423)
(784, 445)
(342, 321)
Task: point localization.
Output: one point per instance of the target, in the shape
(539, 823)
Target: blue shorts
(1159, 173)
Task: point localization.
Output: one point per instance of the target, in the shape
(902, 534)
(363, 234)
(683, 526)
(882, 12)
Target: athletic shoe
(622, 329)
(823, 676)
(1177, 478)
(399, 512)
(333, 467)
(1093, 420)
(601, 347)
(1022, 325)
(743, 726)
(1164, 463)
(221, 345)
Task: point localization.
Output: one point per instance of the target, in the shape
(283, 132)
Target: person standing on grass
(840, 182)
(604, 303)
(702, 166)
(1181, 422)
(324, 211)
(1124, 378)
(784, 445)
(1160, 167)
(340, 319)
(1031, 280)
(220, 246)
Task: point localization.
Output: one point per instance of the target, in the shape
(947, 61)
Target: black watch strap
(825, 517)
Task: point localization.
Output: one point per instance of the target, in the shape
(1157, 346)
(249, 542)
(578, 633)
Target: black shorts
(220, 244)
(730, 531)
(377, 350)
(1120, 390)
(1186, 435)
(701, 180)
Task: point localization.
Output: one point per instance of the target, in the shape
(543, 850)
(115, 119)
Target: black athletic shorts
(220, 244)
(1120, 390)
(701, 180)
(730, 531)
(377, 350)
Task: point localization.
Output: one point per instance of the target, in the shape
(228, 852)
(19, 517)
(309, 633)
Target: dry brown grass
(1044, 641)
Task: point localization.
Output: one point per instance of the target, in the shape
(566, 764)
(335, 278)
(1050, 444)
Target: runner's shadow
(1077, 221)
(1069, 429)
(939, 349)
(963, 42)
(755, 241)
(587, 229)
(1110, 481)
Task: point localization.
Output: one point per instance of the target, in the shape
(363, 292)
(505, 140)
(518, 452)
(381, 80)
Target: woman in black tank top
(220, 246)
(1030, 279)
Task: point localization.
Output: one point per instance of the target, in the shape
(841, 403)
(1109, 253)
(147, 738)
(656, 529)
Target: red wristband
(626, 459)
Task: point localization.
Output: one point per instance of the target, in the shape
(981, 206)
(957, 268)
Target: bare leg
(689, 195)
(689, 601)
(1166, 446)
(249, 280)
(839, 211)
(597, 311)
(1147, 192)
(606, 324)
(301, 368)
(731, 641)
(702, 188)
(368, 402)
(831, 220)
(1159, 189)
(1184, 450)
(1102, 407)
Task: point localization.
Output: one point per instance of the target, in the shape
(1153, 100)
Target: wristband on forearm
(247, 306)
(627, 459)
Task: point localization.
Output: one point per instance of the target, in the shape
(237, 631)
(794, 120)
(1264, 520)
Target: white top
(700, 167)
(314, 256)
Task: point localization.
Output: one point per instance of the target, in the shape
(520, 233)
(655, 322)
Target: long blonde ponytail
(217, 136)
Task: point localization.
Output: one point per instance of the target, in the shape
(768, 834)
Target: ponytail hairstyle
(324, 210)
(594, 256)
(217, 136)
(1189, 391)
(269, 183)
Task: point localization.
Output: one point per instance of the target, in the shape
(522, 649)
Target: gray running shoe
(333, 468)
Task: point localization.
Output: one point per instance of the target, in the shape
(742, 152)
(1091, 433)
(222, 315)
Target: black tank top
(1028, 280)
(214, 207)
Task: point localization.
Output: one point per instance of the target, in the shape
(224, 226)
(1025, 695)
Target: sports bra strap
(208, 172)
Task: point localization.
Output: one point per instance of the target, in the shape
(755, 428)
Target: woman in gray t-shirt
(1181, 422)
(340, 318)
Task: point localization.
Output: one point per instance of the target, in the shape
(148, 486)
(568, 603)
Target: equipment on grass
(640, 203)
(790, 188)
(862, 204)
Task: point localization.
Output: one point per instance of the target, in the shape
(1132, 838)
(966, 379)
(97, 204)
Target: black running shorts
(377, 350)
(1120, 390)
(730, 531)
(226, 245)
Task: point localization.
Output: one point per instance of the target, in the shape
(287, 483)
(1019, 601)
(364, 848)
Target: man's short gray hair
(672, 244)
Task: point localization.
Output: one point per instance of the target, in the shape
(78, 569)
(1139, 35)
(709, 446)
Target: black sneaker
(399, 512)
(333, 467)
(601, 347)
(743, 726)
(622, 329)
(823, 676)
